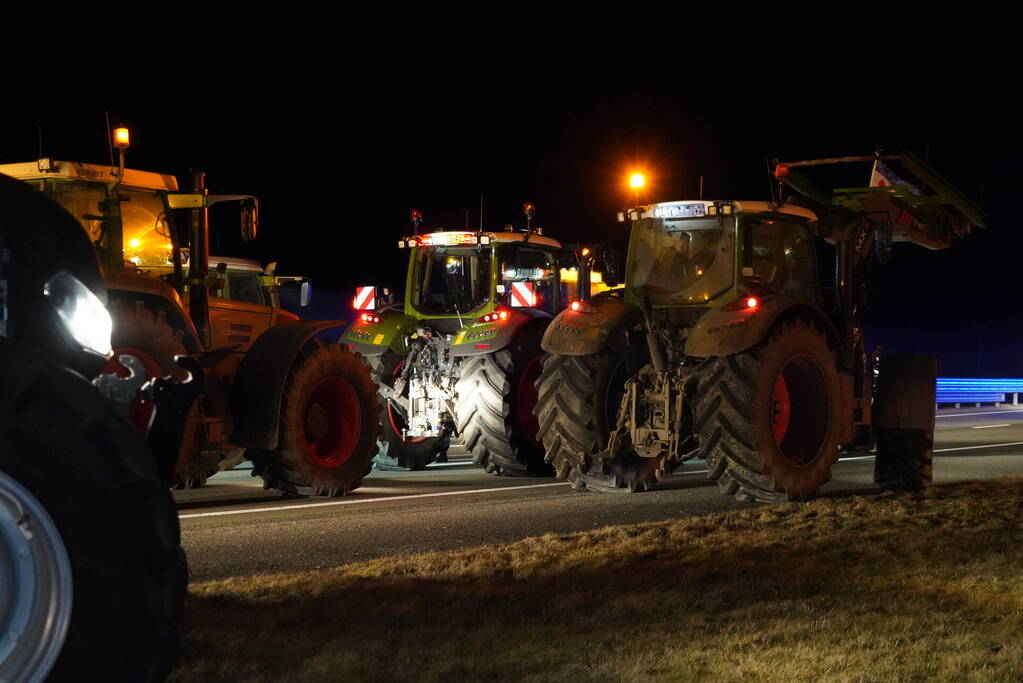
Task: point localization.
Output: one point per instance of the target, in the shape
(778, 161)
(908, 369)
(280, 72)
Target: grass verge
(882, 587)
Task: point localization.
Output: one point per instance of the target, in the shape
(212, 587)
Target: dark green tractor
(727, 343)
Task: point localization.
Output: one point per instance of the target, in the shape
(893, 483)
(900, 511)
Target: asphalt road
(232, 527)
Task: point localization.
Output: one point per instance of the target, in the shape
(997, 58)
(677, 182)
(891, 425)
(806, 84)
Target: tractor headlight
(81, 311)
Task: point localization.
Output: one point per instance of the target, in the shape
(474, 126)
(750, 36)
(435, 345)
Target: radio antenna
(40, 142)
(770, 181)
(110, 139)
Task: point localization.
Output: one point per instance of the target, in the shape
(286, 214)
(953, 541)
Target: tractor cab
(705, 254)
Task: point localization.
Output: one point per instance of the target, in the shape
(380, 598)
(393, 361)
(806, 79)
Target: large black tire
(396, 452)
(328, 429)
(60, 439)
(495, 409)
(578, 409)
(138, 328)
(741, 416)
(904, 458)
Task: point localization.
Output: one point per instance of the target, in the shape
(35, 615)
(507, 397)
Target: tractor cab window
(84, 200)
(781, 254)
(528, 277)
(245, 286)
(682, 261)
(451, 280)
(147, 240)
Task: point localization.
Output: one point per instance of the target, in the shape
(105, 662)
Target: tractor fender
(579, 333)
(374, 339)
(723, 333)
(479, 338)
(258, 387)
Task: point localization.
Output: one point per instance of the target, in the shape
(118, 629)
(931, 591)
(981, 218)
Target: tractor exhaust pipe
(199, 262)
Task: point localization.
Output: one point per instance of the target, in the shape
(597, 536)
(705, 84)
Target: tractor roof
(467, 237)
(233, 263)
(48, 169)
(686, 209)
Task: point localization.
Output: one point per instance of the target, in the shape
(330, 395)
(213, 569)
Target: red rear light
(581, 307)
(483, 346)
(743, 303)
(494, 317)
(369, 318)
(575, 305)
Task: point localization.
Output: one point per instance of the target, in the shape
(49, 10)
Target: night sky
(342, 123)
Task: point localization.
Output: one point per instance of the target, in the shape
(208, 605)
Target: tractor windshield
(451, 280)
(682, 261)
(145, 232)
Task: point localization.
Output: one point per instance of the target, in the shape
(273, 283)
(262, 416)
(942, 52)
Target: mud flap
(903, 416)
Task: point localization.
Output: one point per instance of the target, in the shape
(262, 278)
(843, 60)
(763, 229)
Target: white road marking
(991, 426)
(970, 448)
(990, 412)
(357, 501)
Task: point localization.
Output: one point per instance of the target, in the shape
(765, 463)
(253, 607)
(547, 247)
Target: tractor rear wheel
(768, 418)
(494, 411)
(108, 541)
(397, 451)
(146, 335)
(328, 430)
(578, 408)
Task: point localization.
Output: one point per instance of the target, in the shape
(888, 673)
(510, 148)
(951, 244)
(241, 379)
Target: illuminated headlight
(81, 311)
(691, 210)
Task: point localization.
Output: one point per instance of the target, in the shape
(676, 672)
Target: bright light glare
(637, 181)
(81, 311)
(122, 138)
(134, 243)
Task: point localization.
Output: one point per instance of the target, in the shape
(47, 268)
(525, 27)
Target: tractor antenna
(770, 181)
(110, 139)
(40, 128)
(701, 187)
(416, 219)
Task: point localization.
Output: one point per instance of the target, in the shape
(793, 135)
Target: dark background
(342, 122)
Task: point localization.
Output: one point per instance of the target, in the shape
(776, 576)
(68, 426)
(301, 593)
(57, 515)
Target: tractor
(92, 574)
(303, 410)
(456, 362)
(729, 342)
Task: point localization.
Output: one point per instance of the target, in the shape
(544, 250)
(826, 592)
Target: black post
(199, 263)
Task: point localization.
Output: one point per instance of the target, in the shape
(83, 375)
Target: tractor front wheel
(147, 336)
(328, 429)
(496, 399)
(768, 418)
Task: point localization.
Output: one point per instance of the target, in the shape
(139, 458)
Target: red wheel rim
(800, 406)
(397, 422)
(141, 411)
(525, 399)
(333, 422)
(781, 409)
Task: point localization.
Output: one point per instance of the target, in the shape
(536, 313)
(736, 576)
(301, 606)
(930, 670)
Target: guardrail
(978, 390)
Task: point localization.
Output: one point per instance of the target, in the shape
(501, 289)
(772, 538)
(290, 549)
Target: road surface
(232, 527)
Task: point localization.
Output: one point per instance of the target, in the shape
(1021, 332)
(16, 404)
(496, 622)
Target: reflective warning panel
(523, 295)
(365, 298)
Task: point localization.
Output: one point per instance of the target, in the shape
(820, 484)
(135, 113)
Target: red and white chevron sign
(365, 298)
(522, 295)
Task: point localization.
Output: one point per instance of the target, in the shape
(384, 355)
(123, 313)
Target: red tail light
(581, 307)
(494, 317)
(369, 318)
(743, 303)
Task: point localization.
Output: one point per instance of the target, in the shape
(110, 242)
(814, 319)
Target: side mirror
(305, 294)
(610, 266)
(250, 222)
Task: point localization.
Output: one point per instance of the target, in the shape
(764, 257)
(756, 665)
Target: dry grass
(906, 587)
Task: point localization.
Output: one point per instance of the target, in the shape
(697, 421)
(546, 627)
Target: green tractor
(457, 361)
(727, 344)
